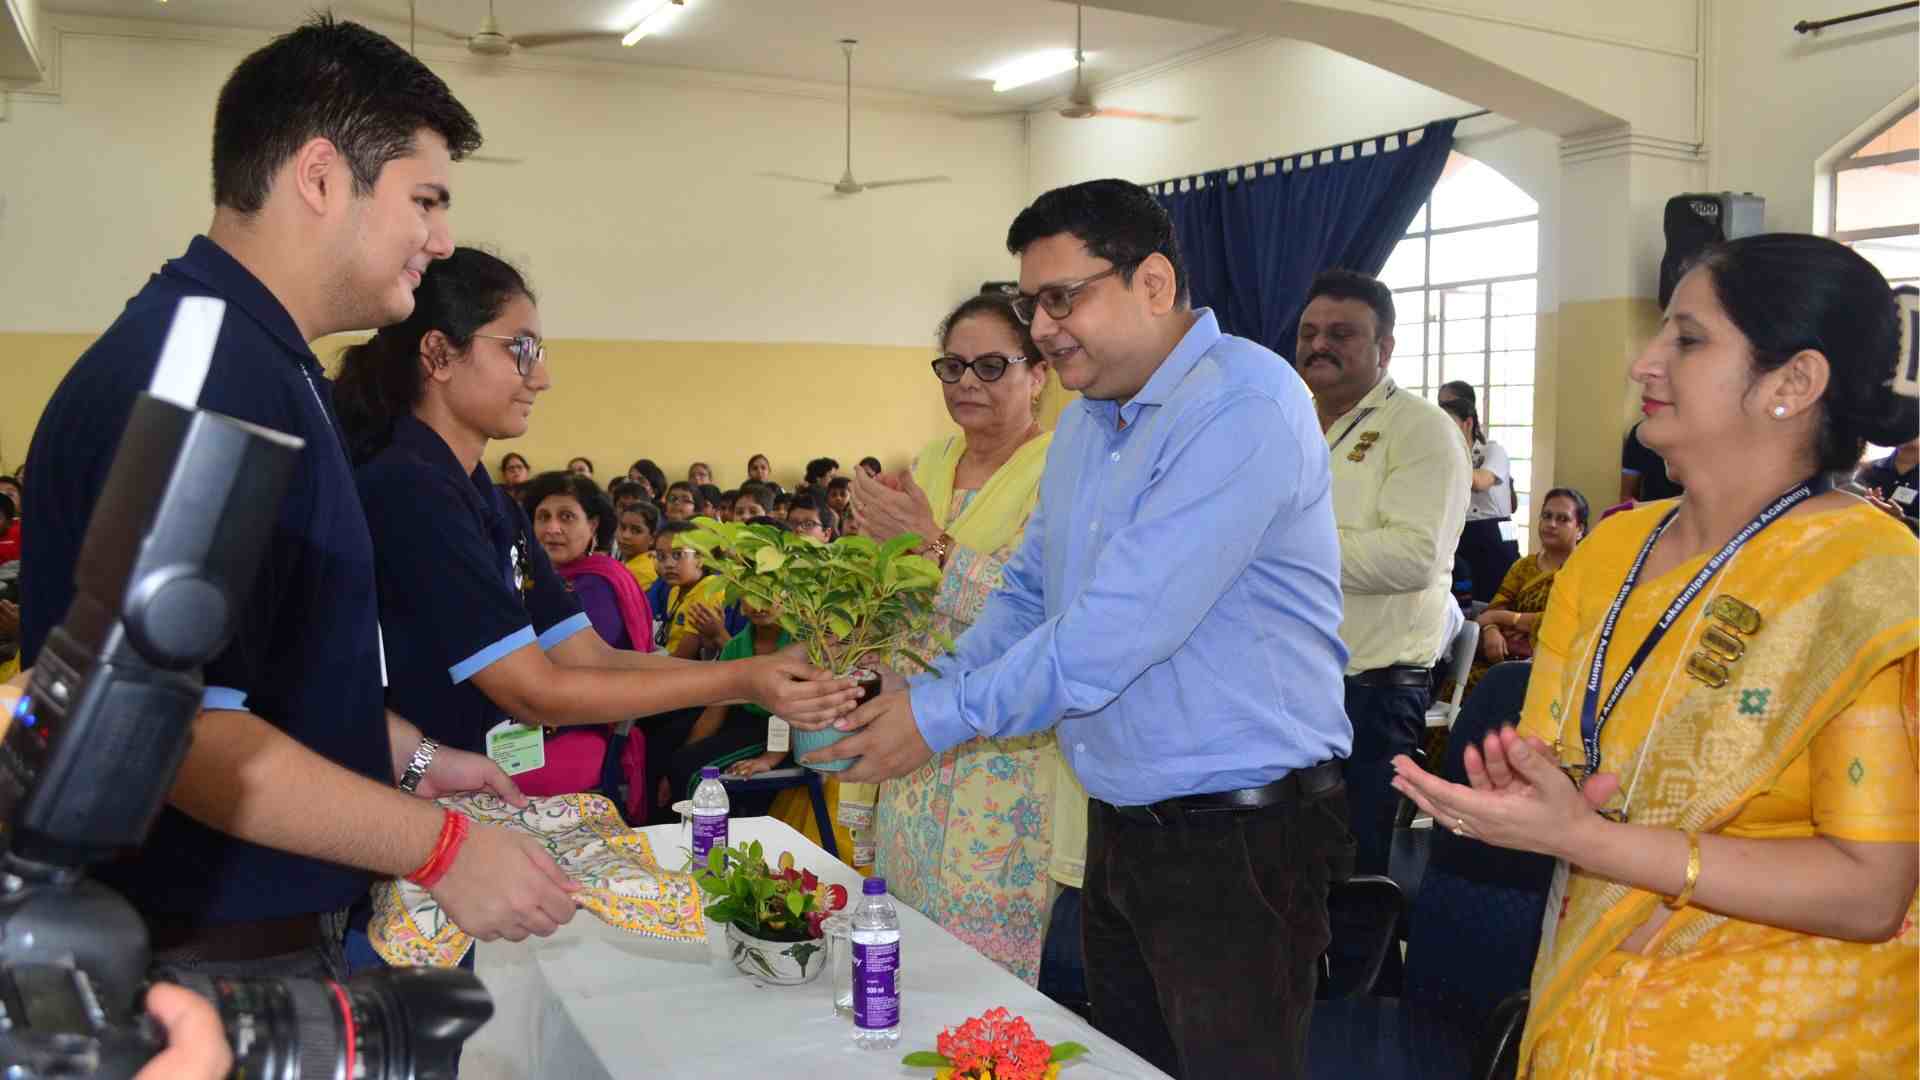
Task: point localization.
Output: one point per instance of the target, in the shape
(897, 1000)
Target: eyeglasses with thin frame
(527, 351)
(1057, 300)
(987, 367)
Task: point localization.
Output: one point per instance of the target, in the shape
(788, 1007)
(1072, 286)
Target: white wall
(637, 210)
(1780, 100)
(1262, 99)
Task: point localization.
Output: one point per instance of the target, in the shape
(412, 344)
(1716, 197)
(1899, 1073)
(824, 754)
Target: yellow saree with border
(1812, 732)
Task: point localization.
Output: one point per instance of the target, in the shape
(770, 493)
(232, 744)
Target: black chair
(1363, 910)
(1497, 1056)
(1473, 930)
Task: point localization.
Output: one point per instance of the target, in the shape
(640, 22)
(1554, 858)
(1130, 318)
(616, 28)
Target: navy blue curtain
(1252, 245)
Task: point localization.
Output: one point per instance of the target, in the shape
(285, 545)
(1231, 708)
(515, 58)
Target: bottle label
(709, 832)
(876, 1001)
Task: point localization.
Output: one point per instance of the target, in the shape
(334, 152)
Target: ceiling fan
(847, 185)
(1080, 102)
(490, 40)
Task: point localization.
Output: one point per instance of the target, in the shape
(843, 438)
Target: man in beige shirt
(1400, 487)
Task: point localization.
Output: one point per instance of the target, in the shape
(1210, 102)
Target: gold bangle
(1693, 874)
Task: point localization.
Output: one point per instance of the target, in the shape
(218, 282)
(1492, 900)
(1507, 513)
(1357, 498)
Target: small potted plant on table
(849, 602)
(772, 916)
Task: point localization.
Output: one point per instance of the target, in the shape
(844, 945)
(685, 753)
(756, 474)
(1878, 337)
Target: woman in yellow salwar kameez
(1743, 903)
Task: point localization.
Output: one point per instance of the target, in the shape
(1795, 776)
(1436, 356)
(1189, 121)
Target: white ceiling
(935, 48)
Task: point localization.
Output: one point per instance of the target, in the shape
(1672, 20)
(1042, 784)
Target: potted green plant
(772, 916)
(848, 603)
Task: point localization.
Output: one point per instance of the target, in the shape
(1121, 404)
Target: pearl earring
(1779, 412)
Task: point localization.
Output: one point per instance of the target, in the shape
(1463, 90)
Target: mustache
(1327, 356)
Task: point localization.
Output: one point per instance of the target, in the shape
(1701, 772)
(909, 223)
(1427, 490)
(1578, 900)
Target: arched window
(1874, 198)
(1465, 284)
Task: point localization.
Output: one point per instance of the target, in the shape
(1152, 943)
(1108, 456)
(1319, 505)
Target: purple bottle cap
(710, 772)
(874, 886)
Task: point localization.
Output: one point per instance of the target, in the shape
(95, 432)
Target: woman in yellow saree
(1742, 905)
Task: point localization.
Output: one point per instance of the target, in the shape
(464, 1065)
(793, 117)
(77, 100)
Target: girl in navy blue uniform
(481, 635)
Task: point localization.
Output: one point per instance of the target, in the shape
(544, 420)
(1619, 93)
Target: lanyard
(1358, 420)
(1592, 719)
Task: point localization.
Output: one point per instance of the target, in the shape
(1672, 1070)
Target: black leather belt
(1399, 675)
(1297, 787)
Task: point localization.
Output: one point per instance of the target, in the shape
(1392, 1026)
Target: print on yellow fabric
(620, 881)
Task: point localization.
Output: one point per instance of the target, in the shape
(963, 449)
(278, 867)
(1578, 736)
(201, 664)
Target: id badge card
(779, 735)
(1509, 532)
(1903, 496)
(516, 748)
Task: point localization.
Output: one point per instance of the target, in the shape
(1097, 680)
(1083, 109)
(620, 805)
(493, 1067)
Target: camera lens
(402, 1023)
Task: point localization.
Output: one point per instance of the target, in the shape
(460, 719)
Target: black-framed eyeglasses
(1057, 300)
(527, 351)
(987, 367)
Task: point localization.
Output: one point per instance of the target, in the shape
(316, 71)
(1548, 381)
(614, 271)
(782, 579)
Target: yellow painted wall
(1595, 342)
(674, 401)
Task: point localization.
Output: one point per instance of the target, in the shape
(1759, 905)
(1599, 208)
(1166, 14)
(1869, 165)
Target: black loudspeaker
(1695, 221)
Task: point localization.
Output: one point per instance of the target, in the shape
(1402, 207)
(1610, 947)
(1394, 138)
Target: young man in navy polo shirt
(332, 149)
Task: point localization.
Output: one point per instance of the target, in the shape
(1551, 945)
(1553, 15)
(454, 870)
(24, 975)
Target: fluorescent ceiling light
(1031, 69)
(650, 20)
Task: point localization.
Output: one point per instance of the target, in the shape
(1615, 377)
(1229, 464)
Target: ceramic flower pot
(806, 742)
(776, 963)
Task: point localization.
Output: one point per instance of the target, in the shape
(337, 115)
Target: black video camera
(174, 543)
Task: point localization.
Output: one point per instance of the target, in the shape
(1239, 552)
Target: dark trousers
(1063, 962)
(1203, 937)
(1387, 720)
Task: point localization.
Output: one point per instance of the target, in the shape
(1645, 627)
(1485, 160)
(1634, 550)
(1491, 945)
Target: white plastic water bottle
(876, 969)
(709, 815)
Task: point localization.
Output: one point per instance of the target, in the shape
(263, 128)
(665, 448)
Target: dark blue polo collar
(423, 444)
(208, 264)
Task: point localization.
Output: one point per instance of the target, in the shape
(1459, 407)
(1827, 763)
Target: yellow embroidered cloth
(621, 882)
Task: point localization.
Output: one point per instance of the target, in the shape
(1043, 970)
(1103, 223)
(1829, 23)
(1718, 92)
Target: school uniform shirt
(709, 590)
(1495, 503)
(1400, 483)
(645, 571)
(305, 654)
(462, 583)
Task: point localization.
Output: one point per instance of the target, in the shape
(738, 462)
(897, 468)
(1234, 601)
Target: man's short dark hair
(647, 512)
(1353, 285)
(673, 528)
(761, 493)
(819, 467)
(1117, 220)
(872, 462)
(840, 483)
(620, 489)
(333, 80)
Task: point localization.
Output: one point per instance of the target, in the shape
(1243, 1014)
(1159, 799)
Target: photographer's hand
(505, 885)
(196, 1043)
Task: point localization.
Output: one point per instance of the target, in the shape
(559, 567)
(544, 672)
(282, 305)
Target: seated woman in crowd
(581, 467)
(760, 471)
(979, 828)
(514, 474)
(1730, 678)
(871, 466)
(648, 475)
(1507, 625)
(477, 626)
(700, 474)
(1488, 543)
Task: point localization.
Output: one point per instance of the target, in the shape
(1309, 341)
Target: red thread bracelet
(453, 833)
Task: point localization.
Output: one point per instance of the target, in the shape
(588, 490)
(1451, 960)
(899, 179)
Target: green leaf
(925, 1059)
(795, 904)
(903, 543)
(855, 547)
(763, 889)
(769, 559)
(1066, 1051)
(839, 624)
(756, 855)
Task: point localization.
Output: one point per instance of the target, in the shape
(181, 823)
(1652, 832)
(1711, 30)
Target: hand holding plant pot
(844, 602)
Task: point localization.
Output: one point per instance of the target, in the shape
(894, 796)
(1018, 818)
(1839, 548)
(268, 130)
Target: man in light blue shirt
(1175, 609)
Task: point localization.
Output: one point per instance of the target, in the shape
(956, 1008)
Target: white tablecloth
(593, 1001)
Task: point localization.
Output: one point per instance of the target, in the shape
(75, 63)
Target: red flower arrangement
(994, 1046)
